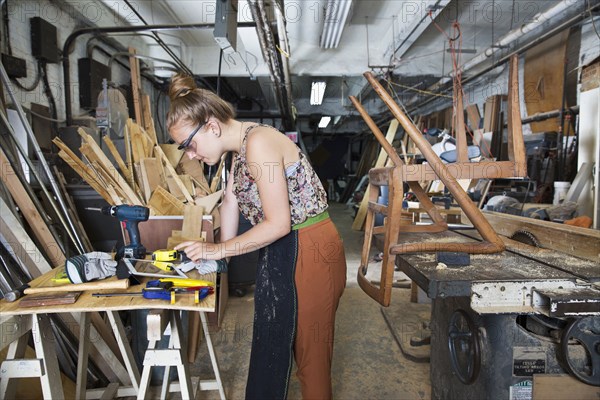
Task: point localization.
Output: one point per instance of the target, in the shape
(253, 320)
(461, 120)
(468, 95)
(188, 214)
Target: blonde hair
(193, 104)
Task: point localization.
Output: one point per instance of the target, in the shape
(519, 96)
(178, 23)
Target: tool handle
(157, 294)
(97, 285)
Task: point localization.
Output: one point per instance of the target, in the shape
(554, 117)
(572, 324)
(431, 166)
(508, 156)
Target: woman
(302, 268)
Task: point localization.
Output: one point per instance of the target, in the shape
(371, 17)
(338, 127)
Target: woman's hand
(197, 250)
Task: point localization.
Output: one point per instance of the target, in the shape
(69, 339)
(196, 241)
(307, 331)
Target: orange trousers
(320, 281)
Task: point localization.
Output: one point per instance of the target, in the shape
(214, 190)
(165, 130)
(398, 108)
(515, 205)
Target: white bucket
(560, 192)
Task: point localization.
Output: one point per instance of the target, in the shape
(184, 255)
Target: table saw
(507, 316)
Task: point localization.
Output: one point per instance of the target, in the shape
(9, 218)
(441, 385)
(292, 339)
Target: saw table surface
(519, 262)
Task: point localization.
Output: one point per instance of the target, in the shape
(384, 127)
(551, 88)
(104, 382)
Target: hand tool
(159, 294)
(129, 216)
(181, 282)
(16, 293)
(98, 285)
(168, 260)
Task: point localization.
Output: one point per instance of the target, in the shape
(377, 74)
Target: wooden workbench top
(87, 303)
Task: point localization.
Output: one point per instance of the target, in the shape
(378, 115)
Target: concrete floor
(367, 362)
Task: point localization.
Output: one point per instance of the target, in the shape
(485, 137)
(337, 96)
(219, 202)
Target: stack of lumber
(152, 175)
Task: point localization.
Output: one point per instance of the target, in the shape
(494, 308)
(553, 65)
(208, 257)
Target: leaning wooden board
(87, 302)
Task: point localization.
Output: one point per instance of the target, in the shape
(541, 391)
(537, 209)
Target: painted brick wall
(65, 18)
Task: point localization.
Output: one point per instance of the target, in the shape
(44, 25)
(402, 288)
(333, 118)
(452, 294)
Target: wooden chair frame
(394, 177)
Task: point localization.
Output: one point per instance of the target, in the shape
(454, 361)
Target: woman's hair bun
(181, 85)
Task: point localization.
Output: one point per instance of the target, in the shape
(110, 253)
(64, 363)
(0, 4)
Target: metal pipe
(114, 29)
(38, 151)
(160, 41)
(139, 56)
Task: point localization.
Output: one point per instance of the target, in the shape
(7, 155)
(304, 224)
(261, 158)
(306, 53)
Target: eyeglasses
(186, 143)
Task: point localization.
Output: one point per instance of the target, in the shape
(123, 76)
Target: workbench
(498, 321)
(36, 320)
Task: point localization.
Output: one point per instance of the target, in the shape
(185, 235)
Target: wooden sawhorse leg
(176, 356)
(127, 354)
(45, 366)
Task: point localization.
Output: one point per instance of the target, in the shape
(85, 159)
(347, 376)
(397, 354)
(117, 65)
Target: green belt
(311, 220)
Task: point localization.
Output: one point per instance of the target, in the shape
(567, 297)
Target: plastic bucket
(560, 192)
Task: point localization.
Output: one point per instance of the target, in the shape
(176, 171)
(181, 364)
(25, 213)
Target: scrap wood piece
(172, 153)
(187, 182)
(210, 202)
(192, 221)
(31, 214)
(96, 153)
(29, 254)
(217, 178)
(361, 215)
(113, 150)
(82, 172)
(195, 169)
(148, 120)
(164, 203)
(573, 240)
(134, 67)
(151, 176)
(110, 177)
(474, 116)
(161, 155)
(128, 155)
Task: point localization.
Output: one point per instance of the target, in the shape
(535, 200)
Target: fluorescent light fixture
(316, 93)
(324, 122)
(336, 16)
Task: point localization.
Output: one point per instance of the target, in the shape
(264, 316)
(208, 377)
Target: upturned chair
(435, 168)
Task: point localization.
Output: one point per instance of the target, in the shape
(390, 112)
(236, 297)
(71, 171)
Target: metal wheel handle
(464, 347)
(583, 332)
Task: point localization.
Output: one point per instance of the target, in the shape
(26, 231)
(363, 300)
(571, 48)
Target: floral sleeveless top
(306, 193)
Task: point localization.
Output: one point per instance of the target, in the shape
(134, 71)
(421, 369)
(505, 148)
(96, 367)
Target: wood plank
(27, 251)
(128, 155)
(151, 176)
(459, 127)
(171, 171)
(192, 221)
(560, 387)
(474, 116)
(543, 74)
(194, 168)
(173, 155)
(164, 203)
(110, 168)
(30, 212)
(214, 184)
(23, 247)
(573, 240)
(491, 111)
(361, 215)
(85, 175)
(113, 150)
(134, 67)
(210, 202)
(148, 120)
(516, 144)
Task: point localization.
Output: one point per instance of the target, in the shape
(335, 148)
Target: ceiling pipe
(99, 31)
(160, 42)
(285, 46)
(567, 13)
(271, 57)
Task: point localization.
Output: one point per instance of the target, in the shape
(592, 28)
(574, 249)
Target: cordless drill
(130, 216)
